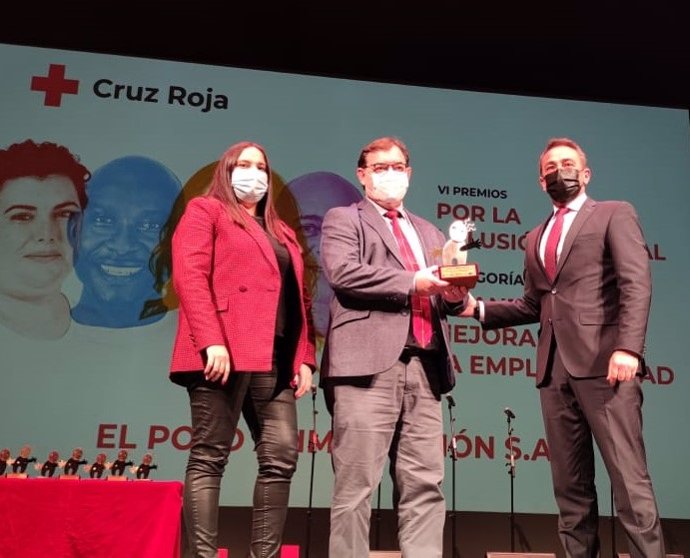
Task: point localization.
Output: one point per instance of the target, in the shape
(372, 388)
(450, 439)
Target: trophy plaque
(96, 469)
(47, 469)
(455, 268)
(5, 460)
(117, 468)
(144, 468)
(20, 464)
(71, 466)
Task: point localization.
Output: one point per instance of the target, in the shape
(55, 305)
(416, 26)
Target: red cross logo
(54, 85)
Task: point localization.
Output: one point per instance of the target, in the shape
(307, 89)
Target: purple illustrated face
(315, 193)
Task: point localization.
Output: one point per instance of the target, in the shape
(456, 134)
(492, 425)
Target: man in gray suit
(590, 290)
(386, 358)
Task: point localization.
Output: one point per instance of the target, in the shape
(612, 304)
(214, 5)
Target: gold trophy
(455, 268)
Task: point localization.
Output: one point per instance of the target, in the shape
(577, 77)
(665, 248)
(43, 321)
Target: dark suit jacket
(600, 298)
(370, 312)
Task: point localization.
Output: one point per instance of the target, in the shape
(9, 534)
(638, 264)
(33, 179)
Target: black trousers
(268, 405)
(577, 412)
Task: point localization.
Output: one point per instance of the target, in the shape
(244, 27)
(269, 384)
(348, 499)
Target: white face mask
(249, 184)
(389, 187)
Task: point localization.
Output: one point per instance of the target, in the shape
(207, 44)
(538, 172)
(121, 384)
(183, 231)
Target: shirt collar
(574, 205)
(382, 210)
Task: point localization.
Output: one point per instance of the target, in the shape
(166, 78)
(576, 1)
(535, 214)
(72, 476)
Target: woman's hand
(217, 364)
(301, 382)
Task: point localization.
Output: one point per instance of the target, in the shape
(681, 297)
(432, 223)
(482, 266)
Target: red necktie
(550, 251)
(421, 305)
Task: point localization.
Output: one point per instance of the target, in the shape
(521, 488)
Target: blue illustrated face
(129, 201)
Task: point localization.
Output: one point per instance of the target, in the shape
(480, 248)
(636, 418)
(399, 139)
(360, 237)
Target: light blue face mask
(249, 184)
(390, 186)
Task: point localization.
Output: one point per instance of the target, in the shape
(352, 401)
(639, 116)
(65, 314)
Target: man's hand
(427, 283)
(470, 305)
(217, 364)
(454, 293)
(622, 367)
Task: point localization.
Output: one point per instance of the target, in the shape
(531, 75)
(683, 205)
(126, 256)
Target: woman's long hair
(221, 189)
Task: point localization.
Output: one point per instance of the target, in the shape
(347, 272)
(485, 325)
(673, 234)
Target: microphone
(510, 414)
(451, 401)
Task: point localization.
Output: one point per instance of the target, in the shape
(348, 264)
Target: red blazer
(228, 283)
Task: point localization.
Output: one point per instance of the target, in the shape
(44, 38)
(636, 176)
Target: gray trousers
(366, 414)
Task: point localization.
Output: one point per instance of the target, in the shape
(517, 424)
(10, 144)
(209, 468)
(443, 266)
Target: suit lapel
(580, 219)
(371, 216)
(535, 248)
(261, 238)
(428, 256)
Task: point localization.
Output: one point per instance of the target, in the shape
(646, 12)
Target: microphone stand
(511, 472)
(613, 526)
(311, 448)
(377, 519)
(452, 449)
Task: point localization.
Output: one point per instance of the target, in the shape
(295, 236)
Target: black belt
(409, 352)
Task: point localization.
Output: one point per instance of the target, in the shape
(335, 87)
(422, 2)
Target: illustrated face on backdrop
(25, 452)
(147, 459)
(53, 456)
(4, 454)
(77, 453)
(122, 455)
(386, 177)
(100, 458)
(129, 201)
(35, 252)
(315, 193)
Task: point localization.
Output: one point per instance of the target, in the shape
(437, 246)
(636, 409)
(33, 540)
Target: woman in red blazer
(244, 344)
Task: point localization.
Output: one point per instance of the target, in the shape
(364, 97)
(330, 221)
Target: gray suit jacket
(370, 310)
(600, 298)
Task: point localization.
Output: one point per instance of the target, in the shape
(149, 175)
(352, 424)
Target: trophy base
(69, 477)
(465, 275)
(17, 476)
(117, 478)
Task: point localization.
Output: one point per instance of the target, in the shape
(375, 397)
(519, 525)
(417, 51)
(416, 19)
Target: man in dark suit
(386, 357)
(589, 288)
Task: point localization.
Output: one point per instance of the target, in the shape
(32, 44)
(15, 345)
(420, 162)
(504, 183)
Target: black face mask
(563, 185)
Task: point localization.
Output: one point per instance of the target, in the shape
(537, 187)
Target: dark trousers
(268, 406)
(575, 410)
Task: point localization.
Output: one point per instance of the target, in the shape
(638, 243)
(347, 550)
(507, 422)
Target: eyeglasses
(379, 168)
(552, 166)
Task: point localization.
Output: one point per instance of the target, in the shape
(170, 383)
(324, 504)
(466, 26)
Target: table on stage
(41, 517)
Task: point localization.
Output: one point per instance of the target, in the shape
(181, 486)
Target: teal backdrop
(474, 155)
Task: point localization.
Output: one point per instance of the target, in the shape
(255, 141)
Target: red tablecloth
(55, 518)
